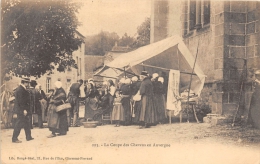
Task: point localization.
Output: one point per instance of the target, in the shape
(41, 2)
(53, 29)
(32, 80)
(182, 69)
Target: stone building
(71, 75)
(226, 36)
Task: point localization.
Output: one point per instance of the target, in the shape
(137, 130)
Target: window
(192, 21)
(199, 13)
(206, 12)
(48, 84)
(68, 83)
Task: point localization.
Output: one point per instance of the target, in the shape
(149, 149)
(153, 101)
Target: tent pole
(188, 102)
(165, 69)
(124, 72)
(105, 76)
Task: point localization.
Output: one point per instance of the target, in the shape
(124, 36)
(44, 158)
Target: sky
(120, 16)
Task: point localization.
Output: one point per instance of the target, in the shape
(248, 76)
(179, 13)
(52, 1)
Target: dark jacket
(74, 89)
(43, 95)
(22, 101)
(146, 87)
(158, 87)
(35, 97)
(135, 86)
(91, 91)
(125, 89)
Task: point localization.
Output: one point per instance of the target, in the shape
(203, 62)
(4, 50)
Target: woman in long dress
(111, 93)
(57, 122)
(147, 115)
(136, 105)
(91, 103)
(103, 106)
(125, 90)
(255, 102)
(159, 100)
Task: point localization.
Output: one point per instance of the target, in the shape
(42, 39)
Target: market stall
(164, 57)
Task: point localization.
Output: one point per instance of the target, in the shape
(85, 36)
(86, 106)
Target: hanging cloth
(173, 103)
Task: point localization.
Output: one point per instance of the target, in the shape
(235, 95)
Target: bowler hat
(25, 79)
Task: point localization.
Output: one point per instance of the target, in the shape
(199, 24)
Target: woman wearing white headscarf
(159, 100)
(136, 105)
(57, 122)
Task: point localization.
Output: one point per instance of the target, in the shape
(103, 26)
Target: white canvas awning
(170, 53)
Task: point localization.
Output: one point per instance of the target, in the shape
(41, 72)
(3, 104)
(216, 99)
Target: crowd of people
(139, 100)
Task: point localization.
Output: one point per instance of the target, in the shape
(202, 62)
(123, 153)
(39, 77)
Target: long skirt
(137, 111)
(91, 106)
(118, 113)
(159, 103)
(147, 114)
(57, 122)
(44, 108)
(127, 109)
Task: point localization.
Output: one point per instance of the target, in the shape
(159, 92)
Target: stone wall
(236, 55)
(228, 49)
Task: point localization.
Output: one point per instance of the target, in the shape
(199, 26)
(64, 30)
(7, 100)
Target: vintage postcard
(130, 82)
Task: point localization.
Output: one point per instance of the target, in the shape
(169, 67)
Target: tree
(100, 43)
(37, 36)
(143, 32)
(126, 40)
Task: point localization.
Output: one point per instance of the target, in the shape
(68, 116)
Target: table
(187, 108)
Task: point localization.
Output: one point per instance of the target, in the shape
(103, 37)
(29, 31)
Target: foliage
(100, 43)
(143, 32)
(126, 40)
(104, 41)
(37, 36)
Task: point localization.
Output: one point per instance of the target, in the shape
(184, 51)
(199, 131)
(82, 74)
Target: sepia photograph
(130, 82)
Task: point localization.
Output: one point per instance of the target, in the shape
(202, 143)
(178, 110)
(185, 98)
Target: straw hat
(25, 79)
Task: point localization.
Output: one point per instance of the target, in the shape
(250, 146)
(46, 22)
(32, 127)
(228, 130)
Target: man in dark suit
(73, 98)
(22, 111)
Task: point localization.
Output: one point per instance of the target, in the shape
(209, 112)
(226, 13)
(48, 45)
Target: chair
(106, 117)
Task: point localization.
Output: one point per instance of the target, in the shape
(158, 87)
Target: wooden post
(181, 116)
(188, 102)
(170, 116)
(124, 72)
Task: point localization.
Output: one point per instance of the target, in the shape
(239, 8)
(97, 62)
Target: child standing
(118, 110)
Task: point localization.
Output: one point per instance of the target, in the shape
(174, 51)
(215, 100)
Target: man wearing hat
(35, 104)
(147, 113)
(22, 111)
(73, 97)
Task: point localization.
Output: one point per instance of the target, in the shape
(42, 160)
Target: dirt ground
(182, 143)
